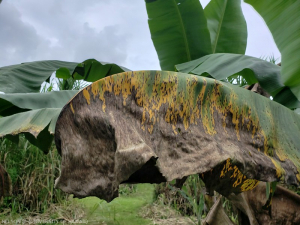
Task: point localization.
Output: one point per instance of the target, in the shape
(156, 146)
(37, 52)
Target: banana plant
(226, 25)
(164, 124)
(224, 48)
(223, 65)
(23, 109)
(283, 19)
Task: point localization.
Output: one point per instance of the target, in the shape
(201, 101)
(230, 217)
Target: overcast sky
(107, 30)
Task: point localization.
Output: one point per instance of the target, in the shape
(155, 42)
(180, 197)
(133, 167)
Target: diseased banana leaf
(285, 205)
(155, 126)
(227, 26)
(283, 20)
(178, 30)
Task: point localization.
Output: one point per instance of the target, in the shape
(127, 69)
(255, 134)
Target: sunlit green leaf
(63, 73)
(91, 70)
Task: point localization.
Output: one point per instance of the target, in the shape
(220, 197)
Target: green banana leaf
(28, 77)
(15, 103)
(178, 30)
(155, 126)
(227, 26)
(287, 98)
(35, 113)
(223, 65)
(91, 70)
(283, 20)
(38, 126)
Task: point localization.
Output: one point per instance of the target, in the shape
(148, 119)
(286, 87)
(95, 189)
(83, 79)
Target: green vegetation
(121, 210)
(207, 42)
(188, 200)
(33, 174)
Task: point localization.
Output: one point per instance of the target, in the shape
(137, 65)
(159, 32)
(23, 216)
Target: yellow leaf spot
(86, 95)
(72, 109)
(279, 170)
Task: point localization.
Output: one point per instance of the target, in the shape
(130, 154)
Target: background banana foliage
(23, 109)
(228, 34)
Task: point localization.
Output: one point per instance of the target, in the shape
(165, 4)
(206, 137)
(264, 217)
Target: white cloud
(113, 31)
(260, 40)
(18, 40)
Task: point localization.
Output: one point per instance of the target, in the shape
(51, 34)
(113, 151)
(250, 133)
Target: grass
(35, 200)
(188, 201)
(122, 210)
(34, 197)
(57, 213)
(161, 214)
(33, 174)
